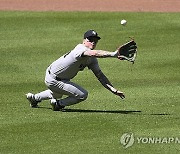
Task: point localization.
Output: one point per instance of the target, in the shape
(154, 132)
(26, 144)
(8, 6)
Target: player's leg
(34, 99)
(74, 92)
(46, 95)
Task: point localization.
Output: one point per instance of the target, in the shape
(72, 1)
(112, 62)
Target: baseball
(123, 22)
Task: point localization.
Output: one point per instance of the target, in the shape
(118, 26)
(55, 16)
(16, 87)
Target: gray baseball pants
(56, 89)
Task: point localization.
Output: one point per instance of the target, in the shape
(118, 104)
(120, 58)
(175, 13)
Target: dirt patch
(93, 5)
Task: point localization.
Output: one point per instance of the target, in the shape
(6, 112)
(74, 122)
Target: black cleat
(33, 103)
(55, 105)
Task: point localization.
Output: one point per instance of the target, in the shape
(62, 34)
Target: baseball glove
(128, 51)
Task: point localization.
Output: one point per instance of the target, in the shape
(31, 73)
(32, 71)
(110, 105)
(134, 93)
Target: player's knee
(83, 96)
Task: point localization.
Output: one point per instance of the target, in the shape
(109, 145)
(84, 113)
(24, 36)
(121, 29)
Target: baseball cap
(91, 33)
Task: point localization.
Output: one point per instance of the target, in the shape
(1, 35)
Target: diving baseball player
(60, 72)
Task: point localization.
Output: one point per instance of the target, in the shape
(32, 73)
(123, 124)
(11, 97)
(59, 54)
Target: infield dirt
(93, 5)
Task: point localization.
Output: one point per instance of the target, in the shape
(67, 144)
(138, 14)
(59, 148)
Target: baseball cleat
(55, 105)
(31, 98)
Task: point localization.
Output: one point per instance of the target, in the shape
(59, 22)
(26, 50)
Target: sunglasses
(92, 39)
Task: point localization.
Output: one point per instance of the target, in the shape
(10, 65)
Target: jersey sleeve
(79, 50)
(93, 65)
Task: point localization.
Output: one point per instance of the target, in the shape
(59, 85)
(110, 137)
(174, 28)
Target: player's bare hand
(120, 93)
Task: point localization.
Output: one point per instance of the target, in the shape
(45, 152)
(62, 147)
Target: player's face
(91, 42)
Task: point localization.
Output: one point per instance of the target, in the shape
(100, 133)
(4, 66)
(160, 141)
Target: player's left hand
(127, 51)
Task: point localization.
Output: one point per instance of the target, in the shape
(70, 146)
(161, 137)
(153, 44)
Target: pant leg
(46, 95)
(74, 92)
(57, 89)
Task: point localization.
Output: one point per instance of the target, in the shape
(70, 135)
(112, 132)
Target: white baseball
(123, 22)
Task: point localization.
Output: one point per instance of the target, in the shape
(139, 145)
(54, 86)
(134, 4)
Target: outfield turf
(30, 41)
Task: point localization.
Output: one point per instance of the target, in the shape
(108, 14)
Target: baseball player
(60, 72)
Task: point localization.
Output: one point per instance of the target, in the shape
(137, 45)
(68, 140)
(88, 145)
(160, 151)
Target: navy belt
(57, 78)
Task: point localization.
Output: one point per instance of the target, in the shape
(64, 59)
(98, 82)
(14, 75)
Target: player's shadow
(160, 114)
(101, 111)
(108, 111)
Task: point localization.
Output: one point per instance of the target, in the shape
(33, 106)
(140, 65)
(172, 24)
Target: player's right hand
(120, 93)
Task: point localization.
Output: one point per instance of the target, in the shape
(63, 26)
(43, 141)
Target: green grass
(30, 41)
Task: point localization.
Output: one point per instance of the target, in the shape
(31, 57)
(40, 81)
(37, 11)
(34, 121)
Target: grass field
(30, 41)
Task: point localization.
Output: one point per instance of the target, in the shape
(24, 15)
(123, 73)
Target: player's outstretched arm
(107, 84)
(101, 53)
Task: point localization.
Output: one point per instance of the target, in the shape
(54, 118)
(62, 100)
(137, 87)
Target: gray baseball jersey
(68, 65)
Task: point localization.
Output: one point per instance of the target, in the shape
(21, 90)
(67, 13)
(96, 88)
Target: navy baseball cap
(91, 33)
